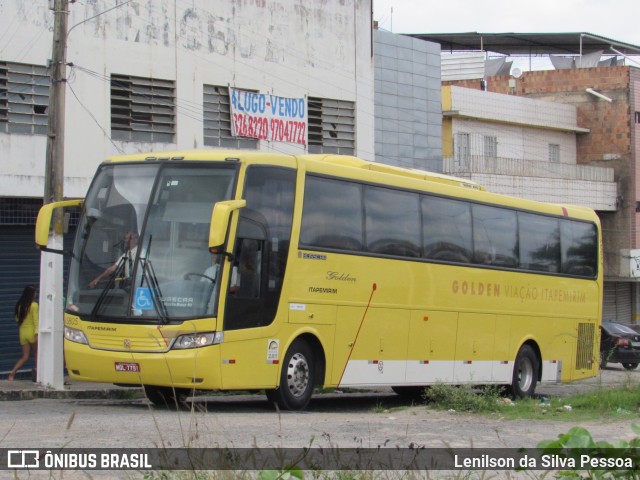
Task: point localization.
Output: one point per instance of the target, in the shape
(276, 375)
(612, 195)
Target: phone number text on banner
(268, 117)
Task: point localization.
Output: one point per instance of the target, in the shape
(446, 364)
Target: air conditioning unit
(630, 263)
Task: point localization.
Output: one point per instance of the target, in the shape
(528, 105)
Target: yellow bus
(237, 270)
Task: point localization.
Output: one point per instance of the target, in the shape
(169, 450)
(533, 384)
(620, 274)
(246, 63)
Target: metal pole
(50, 345)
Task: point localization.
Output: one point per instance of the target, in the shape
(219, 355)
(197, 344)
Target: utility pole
(50, 336)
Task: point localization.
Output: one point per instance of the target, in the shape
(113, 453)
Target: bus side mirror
(43, 223)
(220, 222)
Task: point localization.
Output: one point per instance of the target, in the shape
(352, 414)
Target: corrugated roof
(528, 43)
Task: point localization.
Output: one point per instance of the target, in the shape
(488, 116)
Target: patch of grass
(463, 398)
(602, 403)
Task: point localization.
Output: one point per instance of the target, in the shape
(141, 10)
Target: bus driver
(127, 258)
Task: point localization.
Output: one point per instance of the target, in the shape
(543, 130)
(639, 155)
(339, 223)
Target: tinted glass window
(495, 238)
(392, 221)
(446, 229)
(539, 243)
(579, 248)
(261, 248)
(332, 215)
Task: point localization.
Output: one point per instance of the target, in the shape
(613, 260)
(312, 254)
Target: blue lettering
(247, 102)
(233, 98)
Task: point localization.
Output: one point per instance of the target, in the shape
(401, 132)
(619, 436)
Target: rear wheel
(297, 378)
(525, 373)
(630, 366)
(167, 397)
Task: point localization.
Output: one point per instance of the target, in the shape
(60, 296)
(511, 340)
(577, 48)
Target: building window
(24, 98)
(637, 118)
(554, 153)
(142, 109)
(490, 146)
(331, 126)
(217, 120)
(462, 148)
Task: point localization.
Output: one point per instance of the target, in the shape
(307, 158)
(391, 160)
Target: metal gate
(616, 304)
(20, 266)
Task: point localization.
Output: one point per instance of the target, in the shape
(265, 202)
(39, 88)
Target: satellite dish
(516, 72)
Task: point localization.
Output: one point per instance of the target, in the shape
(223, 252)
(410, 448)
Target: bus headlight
(197, 340)
(74, 335)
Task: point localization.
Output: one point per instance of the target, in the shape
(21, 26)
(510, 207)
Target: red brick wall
(635, 145)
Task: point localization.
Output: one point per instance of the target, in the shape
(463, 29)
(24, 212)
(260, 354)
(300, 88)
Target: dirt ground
(346, 420)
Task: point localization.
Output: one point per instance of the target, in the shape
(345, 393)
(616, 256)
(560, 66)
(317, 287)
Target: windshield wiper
(149, 275)
(103, 294)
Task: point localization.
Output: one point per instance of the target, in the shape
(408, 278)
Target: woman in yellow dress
(27, 318)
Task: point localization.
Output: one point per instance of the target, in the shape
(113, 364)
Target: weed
(463, 398)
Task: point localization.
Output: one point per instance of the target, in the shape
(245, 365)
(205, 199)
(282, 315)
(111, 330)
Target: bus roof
(446, 181)
(343, 160)
(356, 162)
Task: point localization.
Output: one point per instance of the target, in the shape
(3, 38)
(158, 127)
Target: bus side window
(245, 276)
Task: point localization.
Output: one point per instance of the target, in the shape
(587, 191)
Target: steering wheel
(188, 275)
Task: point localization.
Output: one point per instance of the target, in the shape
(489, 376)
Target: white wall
(518, 142)
(285, 47)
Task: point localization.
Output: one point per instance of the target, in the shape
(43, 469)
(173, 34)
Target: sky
(615, 19)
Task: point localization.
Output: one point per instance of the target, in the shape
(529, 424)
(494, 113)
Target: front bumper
(192, 368)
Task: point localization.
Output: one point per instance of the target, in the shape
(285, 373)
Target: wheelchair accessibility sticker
(143, 300)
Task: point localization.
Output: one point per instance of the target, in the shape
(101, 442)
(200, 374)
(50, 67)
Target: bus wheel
(525, 373)
(167, 397)
(296, 378)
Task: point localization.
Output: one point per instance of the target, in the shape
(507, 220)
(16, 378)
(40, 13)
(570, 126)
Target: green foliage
(287, 474)
(463, 398)
(603, 402)
(607, 457)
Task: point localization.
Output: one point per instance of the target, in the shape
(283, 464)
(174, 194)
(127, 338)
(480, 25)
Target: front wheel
(525, 373)
(630, 366)
(297, 378)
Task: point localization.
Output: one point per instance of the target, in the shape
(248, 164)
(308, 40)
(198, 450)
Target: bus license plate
(127, 367)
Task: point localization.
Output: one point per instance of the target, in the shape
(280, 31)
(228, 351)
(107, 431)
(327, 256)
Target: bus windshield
(141, 251)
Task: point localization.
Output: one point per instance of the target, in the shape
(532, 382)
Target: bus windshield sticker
(143, 299)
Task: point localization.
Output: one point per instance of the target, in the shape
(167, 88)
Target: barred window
(217, 120)
(142, 109)
(24, 98)
(490, 146)
(331, 126)
(462, 147)
(554, 153)
(24, 211)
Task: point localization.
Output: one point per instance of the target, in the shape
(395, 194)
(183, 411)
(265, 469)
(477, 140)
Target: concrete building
(605, 95)
(156, 75)
(408, 129)
(521, 147)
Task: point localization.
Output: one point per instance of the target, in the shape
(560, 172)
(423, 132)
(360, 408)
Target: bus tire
(297, 378)
(525, 373)
(167, 397)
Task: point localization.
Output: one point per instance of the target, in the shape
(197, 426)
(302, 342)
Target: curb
(97, 394)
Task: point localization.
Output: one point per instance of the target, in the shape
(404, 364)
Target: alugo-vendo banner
(268, 117)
